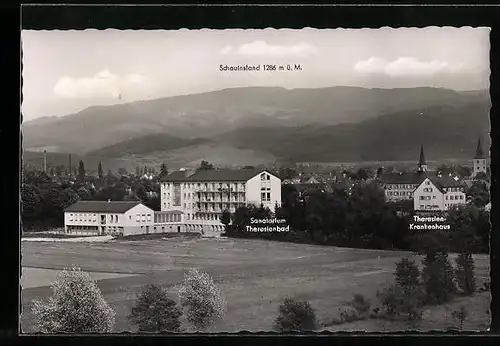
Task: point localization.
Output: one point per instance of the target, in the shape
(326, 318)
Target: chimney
(70, 168)
(45, 161)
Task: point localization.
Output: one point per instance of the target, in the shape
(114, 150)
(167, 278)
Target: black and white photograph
(210, 181)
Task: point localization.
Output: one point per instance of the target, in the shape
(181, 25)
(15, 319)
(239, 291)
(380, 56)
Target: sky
(67, 71)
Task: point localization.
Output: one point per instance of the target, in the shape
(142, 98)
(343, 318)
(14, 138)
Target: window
(421, 198)
(143, 217)
(116, 218)
(461, 197)
(433, 197)
(445, 197)
(138, 217)
(427, 183)
(263, 176)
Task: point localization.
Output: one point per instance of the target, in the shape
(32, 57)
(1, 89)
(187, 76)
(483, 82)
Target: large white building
(400, 186)
(439, 194)
(200, 198)
(111, 217)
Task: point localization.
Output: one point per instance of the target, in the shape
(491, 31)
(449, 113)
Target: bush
(201, 299)
(460, 316)
(465, 273)
(361, 305)
(295, 315)
(438, 277)
(76, 306)
(350, 315)
(397, 301)
(154, 311)
(407, 274)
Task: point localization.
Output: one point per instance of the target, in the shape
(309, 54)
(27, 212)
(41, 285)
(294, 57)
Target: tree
(465, 273)
(140, 192)
(295, 316)
(201, 299)
(99, 171)
(225, 218)
(81, 171)
(30, 201)
(407, 275)
(163, 170)
(478, 194)
(137, 171)
(205, 165)
(76, 306)
(154, 311)
(438, 277)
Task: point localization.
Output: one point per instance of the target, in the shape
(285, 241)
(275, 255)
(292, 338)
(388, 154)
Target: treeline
(43, 199)
(361, 219)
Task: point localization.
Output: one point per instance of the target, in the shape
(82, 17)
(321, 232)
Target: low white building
(439, 194)
(201, 197)
(111, 217)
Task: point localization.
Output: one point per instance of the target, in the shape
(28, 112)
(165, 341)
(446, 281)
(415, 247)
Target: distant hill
(446, 132)
(211, 114)
(144, 145)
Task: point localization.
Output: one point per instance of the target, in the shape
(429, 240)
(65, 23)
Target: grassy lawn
(255, 276)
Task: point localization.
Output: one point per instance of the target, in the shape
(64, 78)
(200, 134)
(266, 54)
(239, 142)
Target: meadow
(255, 276)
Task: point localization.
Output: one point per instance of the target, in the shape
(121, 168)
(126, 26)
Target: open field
(255, 276)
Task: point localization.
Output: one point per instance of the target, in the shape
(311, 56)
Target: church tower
(479, 161)
(422, 165)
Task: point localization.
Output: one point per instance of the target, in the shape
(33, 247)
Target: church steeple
(479, 150)
(422, 165)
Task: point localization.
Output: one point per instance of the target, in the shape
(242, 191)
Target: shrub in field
(349, 315)
(295, 315)
(154, 311)
(361, 305)
(397, 301)
(76, 306)
(439, 278)
(460, 315)
(202, 301)
(465, 273)
(407, 274)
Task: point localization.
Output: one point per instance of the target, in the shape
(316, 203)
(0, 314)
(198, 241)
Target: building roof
(479, 151)
(117, 207)
(214, 175)
(403, 177)
(421, 161)
(445, 181)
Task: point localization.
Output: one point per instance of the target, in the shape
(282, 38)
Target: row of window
(265, 196)
(453, 189)
(400, 186)
(83, 217)
(159, 218)
(265, 176)
(454, 197)
(427, 189)
(426, 198)
(208, 185)
(399, 193)
(92, 217)
(142, 217)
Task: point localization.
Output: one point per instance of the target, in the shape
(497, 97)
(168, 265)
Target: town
(196, 200)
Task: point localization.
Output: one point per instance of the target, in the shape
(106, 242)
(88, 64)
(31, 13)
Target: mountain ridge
(214, 113)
